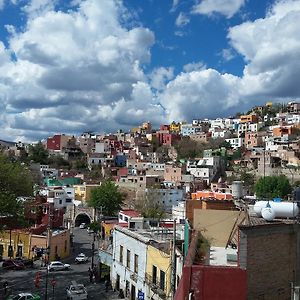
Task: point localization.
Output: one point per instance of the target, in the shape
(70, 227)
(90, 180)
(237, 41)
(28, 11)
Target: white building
(206, 168)
(58, 196)
(128, 270)
(102, 146)
(236, 142)
(178, 212)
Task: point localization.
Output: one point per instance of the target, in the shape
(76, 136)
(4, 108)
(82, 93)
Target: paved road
(23, 281)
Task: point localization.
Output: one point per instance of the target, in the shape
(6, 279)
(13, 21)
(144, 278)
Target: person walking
(91, 275)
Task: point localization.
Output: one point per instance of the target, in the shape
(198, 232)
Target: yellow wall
(83, 191)
(175, 127)
(17, 238)
(162, 261)
(59, 240)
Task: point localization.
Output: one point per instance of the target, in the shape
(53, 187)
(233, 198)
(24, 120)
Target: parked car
(25, 296)
(82, 225)
(81, 258)
(27, 262)
(76, 291)
(58, 266)
(11, 264)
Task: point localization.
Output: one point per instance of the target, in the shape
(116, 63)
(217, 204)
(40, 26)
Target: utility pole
(48, 251)
(173, 270)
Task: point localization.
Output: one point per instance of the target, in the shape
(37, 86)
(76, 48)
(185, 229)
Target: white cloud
(271, 48)
(160, 76)
(227, 54)
(84, 70)
(182, 20)
(39, 7)
(194, 66)
(224, 7)
(198, 93)
(69, 61)
(174, 5)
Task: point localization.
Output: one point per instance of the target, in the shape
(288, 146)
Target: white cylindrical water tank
(281, 209)
(237, 189)
(268, 213)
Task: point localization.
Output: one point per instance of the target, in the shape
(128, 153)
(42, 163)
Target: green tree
(38, 153)
(107, 196)
(15, 181)
(95, 226)
(273, 186)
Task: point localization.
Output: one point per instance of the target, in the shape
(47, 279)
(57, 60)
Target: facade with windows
(129, 262)
(142, 263)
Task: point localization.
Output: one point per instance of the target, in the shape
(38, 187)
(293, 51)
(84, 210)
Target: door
(118, 282)
(20, 251)
(133, 297)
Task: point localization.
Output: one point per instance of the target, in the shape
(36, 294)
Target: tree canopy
(38, 153)
(15, 181)
(273, 186)
(107, 196)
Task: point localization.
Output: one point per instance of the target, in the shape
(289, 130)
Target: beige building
(172, 174)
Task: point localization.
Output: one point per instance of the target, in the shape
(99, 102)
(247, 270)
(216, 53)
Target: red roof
(130, 213)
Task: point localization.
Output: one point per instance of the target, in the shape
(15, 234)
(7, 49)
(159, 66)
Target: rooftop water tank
(281, 209)
(237, 189)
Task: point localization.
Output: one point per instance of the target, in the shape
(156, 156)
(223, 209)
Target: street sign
(141, 295)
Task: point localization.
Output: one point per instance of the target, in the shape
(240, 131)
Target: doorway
(133, 297)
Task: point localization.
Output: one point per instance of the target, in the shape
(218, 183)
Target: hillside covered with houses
(193, 213)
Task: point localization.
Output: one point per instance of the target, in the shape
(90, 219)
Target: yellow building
(175, 127)
(83, 191)
(158, 269)
(15, 243)
(59, 243)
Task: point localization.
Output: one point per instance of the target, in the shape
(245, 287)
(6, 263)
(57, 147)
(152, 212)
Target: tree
(108, 197)
(147, 205)
(273, 186)
(15, 181)
(38, 153)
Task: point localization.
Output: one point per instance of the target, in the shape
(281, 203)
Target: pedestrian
(106, 285)
(90, 275)
(5, 286)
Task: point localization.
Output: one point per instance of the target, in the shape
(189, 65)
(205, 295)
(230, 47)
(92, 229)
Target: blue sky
(70, 66)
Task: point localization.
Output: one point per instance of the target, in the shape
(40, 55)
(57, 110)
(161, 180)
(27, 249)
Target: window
(162, 280)
(154, 274)
(128, 259)
(121, 254)
(136, 263)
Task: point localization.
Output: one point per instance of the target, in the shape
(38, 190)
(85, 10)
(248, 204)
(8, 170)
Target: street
(23, 281)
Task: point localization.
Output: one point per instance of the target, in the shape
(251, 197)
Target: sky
(69, 66)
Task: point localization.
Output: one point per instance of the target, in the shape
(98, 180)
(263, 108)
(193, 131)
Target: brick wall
(269, 254)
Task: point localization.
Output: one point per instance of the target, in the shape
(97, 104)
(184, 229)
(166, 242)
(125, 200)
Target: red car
(13, 265)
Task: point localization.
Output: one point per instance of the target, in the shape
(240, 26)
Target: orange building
(252, 118)
(211, 195)
(282, 130)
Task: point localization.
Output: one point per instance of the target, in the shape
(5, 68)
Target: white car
(25, 296)
(81, 258)
(76, 291)
(58, 266)
(82, 226)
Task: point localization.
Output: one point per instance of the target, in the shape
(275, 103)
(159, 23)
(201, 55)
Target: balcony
(155, 286)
